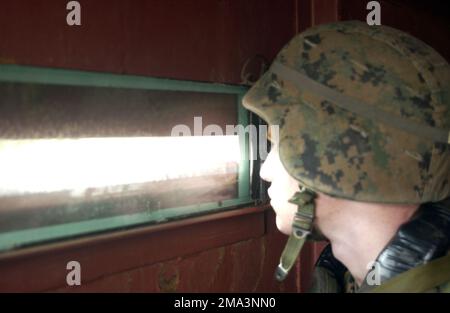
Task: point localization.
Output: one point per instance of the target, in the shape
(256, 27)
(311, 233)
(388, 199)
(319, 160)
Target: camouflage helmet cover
(363, 113)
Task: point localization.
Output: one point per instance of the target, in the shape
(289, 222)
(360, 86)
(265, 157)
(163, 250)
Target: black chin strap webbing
(301, 229)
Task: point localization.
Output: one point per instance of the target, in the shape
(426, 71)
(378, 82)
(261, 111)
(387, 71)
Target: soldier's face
(282, 188)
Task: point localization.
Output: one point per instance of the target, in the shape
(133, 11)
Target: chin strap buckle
(301, 229)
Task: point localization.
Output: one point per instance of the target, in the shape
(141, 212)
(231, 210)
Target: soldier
(362, 158)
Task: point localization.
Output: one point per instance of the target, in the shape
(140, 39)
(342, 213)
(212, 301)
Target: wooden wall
(426, 20)
(198, 40)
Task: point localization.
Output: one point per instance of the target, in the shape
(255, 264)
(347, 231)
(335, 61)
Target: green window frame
(25, 74)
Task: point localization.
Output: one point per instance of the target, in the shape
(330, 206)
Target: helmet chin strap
(302, 229)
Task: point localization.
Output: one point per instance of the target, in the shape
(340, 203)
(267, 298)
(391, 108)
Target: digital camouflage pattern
(334, 151)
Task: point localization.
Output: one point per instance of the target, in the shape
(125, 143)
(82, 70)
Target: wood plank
(44, 268)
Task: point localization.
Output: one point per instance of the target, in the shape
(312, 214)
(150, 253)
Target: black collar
(426, 236)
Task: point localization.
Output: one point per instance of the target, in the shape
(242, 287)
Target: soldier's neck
(359, 231)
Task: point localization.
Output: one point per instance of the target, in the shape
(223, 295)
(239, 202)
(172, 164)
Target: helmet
(363, 113)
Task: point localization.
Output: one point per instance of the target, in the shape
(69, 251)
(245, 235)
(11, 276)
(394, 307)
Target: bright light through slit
(48, 165)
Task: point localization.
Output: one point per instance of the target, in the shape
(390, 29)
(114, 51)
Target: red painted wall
(426, 20)
(199, 40)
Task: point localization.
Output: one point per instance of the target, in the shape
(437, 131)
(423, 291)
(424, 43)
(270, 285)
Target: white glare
(47, 165)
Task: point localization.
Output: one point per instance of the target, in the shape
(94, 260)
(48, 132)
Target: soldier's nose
(266, 168)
